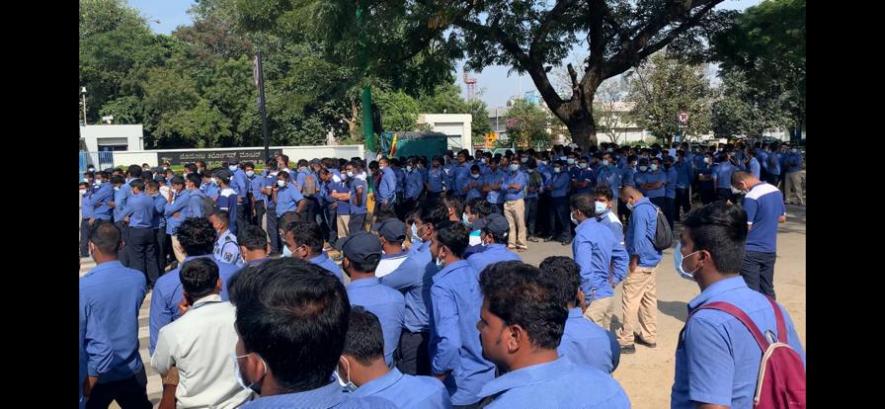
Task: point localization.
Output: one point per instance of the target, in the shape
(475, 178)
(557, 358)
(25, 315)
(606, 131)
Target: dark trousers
(623, 212)
(124, 234)
(659, 202)
(330, 224)
(273, 231)
(260, 210)
(496, 208)
(433, 196)
(309, 213)
(773, 179)
(682, 204)
(724, 194)
(758, 271)
(531, 215)
(356, 223)
(84, 238)
(408, 206)
(670, 210)
(243, 209)
(399, 207)
(162, 242)
(130, 393)
(413, 355)
(142, 251)
(562, 225)
(708, 193)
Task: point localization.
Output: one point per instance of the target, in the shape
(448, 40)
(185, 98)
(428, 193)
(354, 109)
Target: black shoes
(628, 349)
(642, 342)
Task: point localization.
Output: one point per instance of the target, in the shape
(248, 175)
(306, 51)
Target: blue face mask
(239, 375)
(601, 208)
(678, 258)
(346, 386)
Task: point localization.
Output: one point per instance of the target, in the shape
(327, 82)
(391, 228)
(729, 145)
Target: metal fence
(100, 160)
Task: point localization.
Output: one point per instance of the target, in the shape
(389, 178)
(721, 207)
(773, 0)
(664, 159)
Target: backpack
(663, 233)
(781, 383)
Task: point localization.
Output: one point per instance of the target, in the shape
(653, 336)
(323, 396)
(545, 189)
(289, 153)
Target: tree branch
(546, 24)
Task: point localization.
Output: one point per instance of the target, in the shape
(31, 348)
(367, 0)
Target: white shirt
(388, 264)
(200, 344)
(226, 249)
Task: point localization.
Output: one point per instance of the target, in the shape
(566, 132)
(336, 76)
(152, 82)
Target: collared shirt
(179, 202)
(494, 253)
(407, 391)
(140, 209)
(774, 163)
(400, 179)
(454, 341)
(413, 277)
(792, 162)
(240, 183)
(610, 220)
(651, 177)
(460, 177)
(437, 180)
(553, 385)
(583, 175)
(86, 209)
(764, 205)
(387, 304)
(359, 189)
(99, 201)
(755, 168)
(387, 189)
(717, 358)
(414, 184)
(610, 176)
(168, 293)
(287, 199)
(592, 251)
(684, 171)
(326, 263)
(519, 177)
(121, 195)
(640, 235)
(586, 344)
(209, 189)
(494, 178)
(338, 185)
(95, 347)
(199, 344)
(473, 186)
(330, 396)
(159, 221)
(558, 185)
(722, 174)
(628, 176)
(256, 184)
(389, 263)
(672, 180)
(226, 248)
(110, 296)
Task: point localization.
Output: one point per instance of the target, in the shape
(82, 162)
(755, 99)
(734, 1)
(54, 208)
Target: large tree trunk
(582, 129)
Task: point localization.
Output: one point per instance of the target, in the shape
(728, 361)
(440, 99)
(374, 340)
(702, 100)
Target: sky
(493, 83)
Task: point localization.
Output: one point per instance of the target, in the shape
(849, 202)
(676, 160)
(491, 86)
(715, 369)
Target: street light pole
(83, 93)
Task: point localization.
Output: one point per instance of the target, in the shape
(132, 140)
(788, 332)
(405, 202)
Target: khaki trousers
(600, 311)
(640, 305)
(514, 211)
(177, 249)
(793, 188)
(343, 220)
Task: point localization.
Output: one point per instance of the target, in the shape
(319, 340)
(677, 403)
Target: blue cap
(497, 225)
(392, 230)
(360, 246)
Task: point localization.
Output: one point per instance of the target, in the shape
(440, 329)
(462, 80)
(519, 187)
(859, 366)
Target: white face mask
(605, 162)
(582, 165)
(116, 188)
(232, 168)
(484, 161)
(349, 173)
(570, 161)
(214, 181)
(524, 160)
(409, 168)
(514, 167)
(557, 170)
(475, 176)
(281, 183)
(574, 220)
(415, 238)
(653, 167)
(601, 208)
(239, 374)
(348, 386)
(643, 168)
(82, 192)
(250, 173)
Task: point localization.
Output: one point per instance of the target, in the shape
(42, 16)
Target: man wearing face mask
(305, 241)
(601, 258)
(392, 233)
(86, 213)
(722, 173)
(670, 190)
(493, 183)
(456, 354)
(139, 214)
(226, 249)
(793, 177)
(652, 182)
(240, 184)
(292, 322)
(199, 343)
(494, 237)
(582, 177)
(514, 187)
(764, 206)
(609, 176)
(110, 297)
(254, 248)
(362, 252)
(209, 187)
(706, 186)
(414, 185)
(287, 198)
(411, 277)
(359, 190)
(362, 370)
(718, 358)
(437, 179)
(385, 196)
(558, 185)
(639, 300)
(534, 188)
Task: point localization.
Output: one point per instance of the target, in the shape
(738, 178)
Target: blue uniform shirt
(256, 184)
(774, 163)
(722, 174)
(437, 180)
(121, 195)
(242, 183)
(325, 262)
(226, 249)
(339, 186)
(330, 396)
(159, 207)
(178, 205)
(110, 297)
(287, 199)
(454, 342)
(628, 176)
(140, 209)
(476, 190)
(792, 162)
(400, 179)
(684, 173)
(387, 189)
(355, 184)
(86, 209)
(651, 177)
(518, 177)
(641, 234)
(586, 344)
(494, 253)
(386, 303)
(764, 204)
(592, 251)
(494, 178)
(554, 385)
(168, 293)
(407, 391)
(558, 185)
(755, 168)
(717, 358)
(584, 175)
(610, 176)
(210, 189)
(414, 184)
(460, 177)
(413, 277)
(670, 189)
(95, 347)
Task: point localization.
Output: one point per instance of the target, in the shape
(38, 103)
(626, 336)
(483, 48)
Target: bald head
(630, 192)
(743, 181)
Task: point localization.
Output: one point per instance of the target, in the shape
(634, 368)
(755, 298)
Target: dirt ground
(647, 375)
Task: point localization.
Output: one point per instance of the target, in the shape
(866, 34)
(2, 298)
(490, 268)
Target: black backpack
(663, 234)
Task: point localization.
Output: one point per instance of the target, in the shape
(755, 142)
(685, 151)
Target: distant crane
(471, 86)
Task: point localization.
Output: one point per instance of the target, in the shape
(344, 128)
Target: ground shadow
(675, 309)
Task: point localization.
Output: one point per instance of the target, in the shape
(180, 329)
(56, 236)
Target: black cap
(497, 225)
(392, 230)
(358, 247)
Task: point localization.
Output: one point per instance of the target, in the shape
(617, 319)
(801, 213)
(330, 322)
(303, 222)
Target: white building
(112, 137)
(457, 128)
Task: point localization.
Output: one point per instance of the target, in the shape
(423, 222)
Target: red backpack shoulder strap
(779, 317)
(741, 316)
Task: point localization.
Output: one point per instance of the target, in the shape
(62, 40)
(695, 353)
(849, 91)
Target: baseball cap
(392, 230)
(497, 225)
(360, 247)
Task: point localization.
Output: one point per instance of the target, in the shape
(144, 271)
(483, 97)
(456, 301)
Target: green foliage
(399, 111)
(526, 124)
(741, 109)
